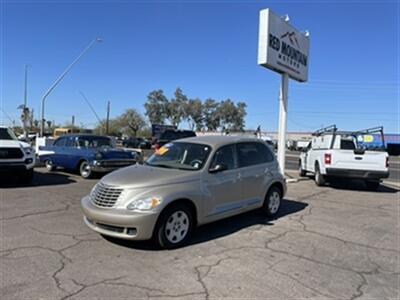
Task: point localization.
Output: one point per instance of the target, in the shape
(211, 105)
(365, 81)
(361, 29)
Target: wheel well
(187, 203)
(278, 185)
(79, 163)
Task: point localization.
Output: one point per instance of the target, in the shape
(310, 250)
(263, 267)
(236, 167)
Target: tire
(302, 172)
(319, 178)
(49, 165)
(85, 171)
(174, 227)
(372, 185)
(272, 202)
(27, 177)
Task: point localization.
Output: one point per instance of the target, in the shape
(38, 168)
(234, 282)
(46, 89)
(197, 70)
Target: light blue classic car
(88, 154)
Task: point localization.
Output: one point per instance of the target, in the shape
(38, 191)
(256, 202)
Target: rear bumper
(104, 166)
(362, 174)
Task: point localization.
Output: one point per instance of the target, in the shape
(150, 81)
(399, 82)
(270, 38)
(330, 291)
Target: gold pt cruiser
(184, 184)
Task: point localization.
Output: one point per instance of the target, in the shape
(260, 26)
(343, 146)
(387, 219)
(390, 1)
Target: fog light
(28, 160)
(131, 231)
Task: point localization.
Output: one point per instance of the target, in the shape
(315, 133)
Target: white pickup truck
(16, 157)
(332, 153)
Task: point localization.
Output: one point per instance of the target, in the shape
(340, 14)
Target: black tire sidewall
(265, 208)
(159, 233)
(319, 178)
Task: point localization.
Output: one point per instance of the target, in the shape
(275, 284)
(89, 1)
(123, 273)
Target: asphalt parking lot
(332, 242)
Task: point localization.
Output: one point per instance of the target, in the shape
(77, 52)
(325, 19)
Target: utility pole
(52, 87)
(25, 109)
(108, 117)
(73, 124)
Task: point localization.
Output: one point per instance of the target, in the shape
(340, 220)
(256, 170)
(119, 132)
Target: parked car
(136, 142)
(172, 135)
(89, 154)
(16, 157)
(335, 154)
(184, 184)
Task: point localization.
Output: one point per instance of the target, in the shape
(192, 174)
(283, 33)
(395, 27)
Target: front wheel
(27, 177)
(174, 227)
(85, 171)
(272, 202)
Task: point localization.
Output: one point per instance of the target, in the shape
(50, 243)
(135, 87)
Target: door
(256, 165)
(222, 188)
(58, 148)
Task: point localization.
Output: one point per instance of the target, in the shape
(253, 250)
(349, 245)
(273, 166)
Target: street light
(98, 40)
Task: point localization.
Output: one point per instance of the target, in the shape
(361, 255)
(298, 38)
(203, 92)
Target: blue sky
(209, 49)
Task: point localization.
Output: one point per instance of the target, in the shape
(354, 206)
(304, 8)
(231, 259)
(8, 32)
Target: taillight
(157, 146)
(387, 161)
(328, 158)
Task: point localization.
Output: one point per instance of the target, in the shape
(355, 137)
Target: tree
(211, 114)
(194, 114)
(131, 121)
(176, 108)
(156, 107)
(239, 121)
(231, 115)
(114, 128)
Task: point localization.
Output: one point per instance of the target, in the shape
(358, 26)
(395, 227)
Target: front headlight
(28, 150)
(145, 204)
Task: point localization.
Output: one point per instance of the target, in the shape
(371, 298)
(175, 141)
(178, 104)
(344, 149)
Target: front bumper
(104, 166)
(360, 174)
(17, 166)
(119, 223)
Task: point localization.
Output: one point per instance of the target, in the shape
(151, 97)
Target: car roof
(83, 135)
(219, 140)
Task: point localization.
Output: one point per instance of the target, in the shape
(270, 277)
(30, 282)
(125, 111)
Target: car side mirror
(218, 168)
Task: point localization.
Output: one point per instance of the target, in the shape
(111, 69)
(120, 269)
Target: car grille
(117, 163)
(7, 153)
(104, 195)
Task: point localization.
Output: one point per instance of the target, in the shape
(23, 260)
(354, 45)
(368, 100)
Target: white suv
(16, 157)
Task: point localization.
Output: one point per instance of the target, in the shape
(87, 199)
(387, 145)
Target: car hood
(13, 144)
(140, 176)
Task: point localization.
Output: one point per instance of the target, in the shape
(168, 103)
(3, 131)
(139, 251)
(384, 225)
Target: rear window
(250, 154)
(347, 144)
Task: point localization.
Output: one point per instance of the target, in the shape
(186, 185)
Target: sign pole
(283, 105)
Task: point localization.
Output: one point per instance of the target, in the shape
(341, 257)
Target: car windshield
(94, 142)
(183, 156)
(7, 134)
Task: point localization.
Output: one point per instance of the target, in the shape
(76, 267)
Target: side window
(250, 154)
(224, 155)
(60, 142)
(70, 142)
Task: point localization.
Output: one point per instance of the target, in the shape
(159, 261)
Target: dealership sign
(282, 48)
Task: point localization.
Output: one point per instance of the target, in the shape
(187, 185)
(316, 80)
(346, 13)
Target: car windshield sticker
(162, 151)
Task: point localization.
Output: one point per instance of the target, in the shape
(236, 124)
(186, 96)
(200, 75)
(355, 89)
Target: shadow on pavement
(39, 179)
(223, 227)
(359, 185)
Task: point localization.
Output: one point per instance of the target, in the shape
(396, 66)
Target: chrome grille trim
(105, 195)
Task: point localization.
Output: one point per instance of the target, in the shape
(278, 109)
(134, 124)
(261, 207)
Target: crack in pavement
(112, 281)
(67, 206)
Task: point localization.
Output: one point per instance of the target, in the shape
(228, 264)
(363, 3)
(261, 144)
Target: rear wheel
(272, 202)
(174, 227)
(85, 170)
(302, 172)
(372, 185)
(319, 178)
(49, 165)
